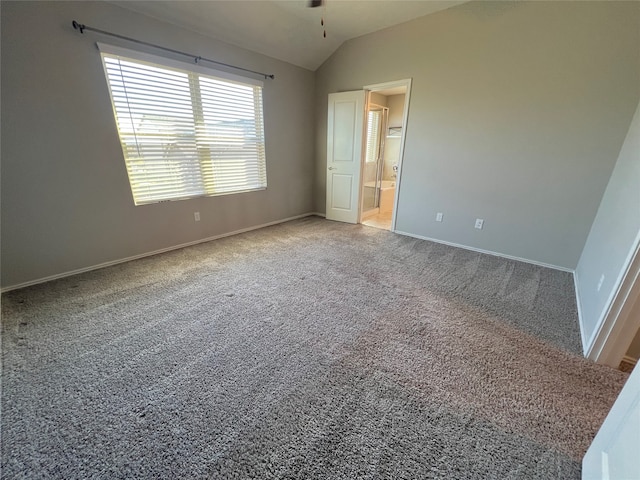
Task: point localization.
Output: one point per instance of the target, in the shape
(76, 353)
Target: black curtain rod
(81, 27)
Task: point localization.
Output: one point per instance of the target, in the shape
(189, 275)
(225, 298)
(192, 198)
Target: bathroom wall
(378, 99)
(392, 145)
(396, 109)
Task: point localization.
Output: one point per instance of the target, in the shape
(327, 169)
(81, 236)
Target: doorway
(385, 121)
(347, 127)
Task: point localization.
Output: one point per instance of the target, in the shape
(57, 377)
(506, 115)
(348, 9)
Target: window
(186, 131)
(374, 118)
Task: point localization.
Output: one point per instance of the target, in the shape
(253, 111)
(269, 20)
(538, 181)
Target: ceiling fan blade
(315, 3)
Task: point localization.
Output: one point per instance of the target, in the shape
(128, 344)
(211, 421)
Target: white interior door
(615, 452)
(345, 127)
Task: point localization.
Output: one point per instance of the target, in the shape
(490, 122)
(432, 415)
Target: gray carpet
(308, 350)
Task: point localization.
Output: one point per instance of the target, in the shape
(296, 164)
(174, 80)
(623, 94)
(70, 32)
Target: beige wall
(518, 112)
(378, 99)
(396, 109)
(66, 202)
(392, 144)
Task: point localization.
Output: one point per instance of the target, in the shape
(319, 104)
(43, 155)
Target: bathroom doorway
(387, 108)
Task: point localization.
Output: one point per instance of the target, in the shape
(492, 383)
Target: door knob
(333, 168)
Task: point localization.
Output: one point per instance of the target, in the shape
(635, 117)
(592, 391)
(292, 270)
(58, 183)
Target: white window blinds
(185, 133)
(374, 118)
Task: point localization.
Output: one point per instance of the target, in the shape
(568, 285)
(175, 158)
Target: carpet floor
(307, 350)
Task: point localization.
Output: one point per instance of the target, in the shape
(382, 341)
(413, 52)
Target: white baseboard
(608, 342)
(149, 254)
(488, 252)
(318, 214)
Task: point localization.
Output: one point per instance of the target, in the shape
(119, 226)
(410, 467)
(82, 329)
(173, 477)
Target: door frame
(615, 330)
(405, 117)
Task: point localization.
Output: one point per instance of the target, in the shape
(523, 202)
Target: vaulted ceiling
(287, 29)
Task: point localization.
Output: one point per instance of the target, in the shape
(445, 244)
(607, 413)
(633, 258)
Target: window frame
(197, 70)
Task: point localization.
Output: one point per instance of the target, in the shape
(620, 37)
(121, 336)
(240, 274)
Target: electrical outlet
(479, 223)
(196, 216)
(600, 282)
(439, 217)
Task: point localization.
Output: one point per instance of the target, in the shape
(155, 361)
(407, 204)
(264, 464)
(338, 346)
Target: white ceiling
(287, 29)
